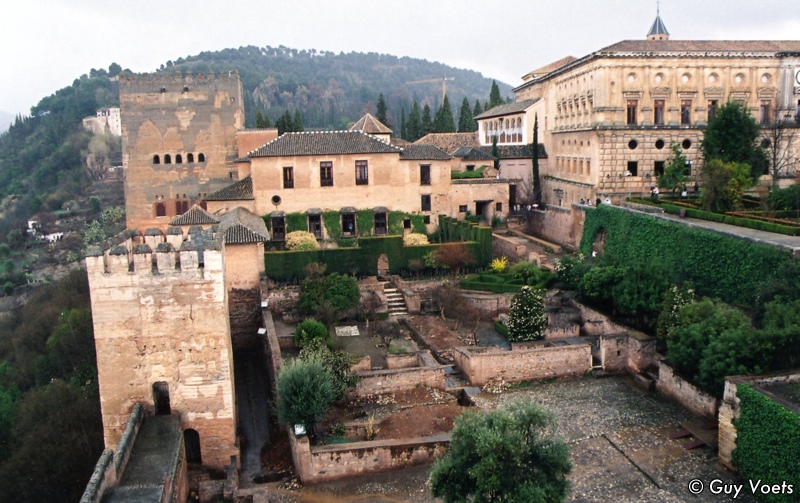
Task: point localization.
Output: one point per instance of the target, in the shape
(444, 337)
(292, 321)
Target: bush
(414, 239)
(336, 362)
(308, 331)
(499, 265)
(526, 318)
(340, 292)
(304, 394)
(301, 241)
(94, 204)
(510, 454)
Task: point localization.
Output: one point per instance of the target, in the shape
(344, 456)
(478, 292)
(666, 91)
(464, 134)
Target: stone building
(607, 119)
(106, 120)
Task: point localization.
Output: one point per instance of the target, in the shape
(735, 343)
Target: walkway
(790, 244)
(252, 396)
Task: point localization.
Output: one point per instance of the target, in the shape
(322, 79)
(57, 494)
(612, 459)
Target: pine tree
(465, 122)
(284, 122)
(494, 96)
(403, 123)
(427, 124)
(414, 126)
(262, 120)
(443, 122)
(381, 111)
(297, 122)
(537, 186)
(477, 110)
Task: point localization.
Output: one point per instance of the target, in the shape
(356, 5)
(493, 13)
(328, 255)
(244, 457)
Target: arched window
(156, 159)
(167, 159)
(189, 157)
(191, 442)
(178, 159)
(161, 210)
(201, 157)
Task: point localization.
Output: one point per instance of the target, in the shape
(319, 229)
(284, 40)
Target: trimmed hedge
(728, 219)
(767, 443)
(501, 283)
(719, 266)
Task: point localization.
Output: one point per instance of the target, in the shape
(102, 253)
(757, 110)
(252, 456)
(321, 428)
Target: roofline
(605, 53)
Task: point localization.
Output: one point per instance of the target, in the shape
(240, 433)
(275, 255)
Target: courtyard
(621, 450)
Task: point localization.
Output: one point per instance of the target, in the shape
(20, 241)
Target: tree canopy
(466, 124)
(443, 121)
(494, 96)
(732, 136)
(674, 176)
(507, 455)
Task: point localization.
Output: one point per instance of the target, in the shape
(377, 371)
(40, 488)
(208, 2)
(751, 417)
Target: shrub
(308, 331)
(336, 362)
(414, 239)
(490, 450)
(499, 264)
(301, 241)
(304, 394)
(527, 271)
(94, 204)
(526, 318)
(341, 292)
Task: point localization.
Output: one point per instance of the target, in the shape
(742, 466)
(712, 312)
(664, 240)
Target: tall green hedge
(767, 444)
(719, 266)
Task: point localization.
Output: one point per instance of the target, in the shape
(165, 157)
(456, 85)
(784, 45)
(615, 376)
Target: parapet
(176, 82)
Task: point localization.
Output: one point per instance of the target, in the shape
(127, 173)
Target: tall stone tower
(178, 142)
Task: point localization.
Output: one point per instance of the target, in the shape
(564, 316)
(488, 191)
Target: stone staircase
(396, 302)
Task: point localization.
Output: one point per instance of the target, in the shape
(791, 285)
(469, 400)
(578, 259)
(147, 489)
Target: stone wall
(559, 225)
(272, 350)
(245, 317)
(330, 462)
(163, 318)
(481, 365)
(501, 245)
(634, 352)
(688, 396)
(426, 372)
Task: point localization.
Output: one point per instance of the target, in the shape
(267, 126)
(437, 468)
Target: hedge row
(500, 283)
(363, 259)
(767, 443)
(727, 219)
(718, 265)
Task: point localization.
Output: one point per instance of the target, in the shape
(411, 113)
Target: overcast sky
(46, 44)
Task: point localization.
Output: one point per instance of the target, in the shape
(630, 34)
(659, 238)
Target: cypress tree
(494, 96)
(284, 122)
(444, 122)
(427, 124)
(403, 123)
(477, 110)
(259, 120)
(414, 126)
(537, 186)
(495, 153)
(297, 122)
(381, 110)
(465, 122)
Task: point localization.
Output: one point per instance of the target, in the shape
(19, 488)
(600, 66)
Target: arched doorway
(191, 442)
(161, 398)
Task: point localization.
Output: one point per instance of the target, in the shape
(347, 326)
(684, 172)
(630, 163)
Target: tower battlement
(176, 82)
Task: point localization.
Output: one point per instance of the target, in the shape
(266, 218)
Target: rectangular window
(712, 109)
(498, 207)
(632, 106)
(588, 166)
(326, 174)
(426, 202)
(348, 225)
(633, 168)
(470, 167)
(765, 105)
(658, 112)
(462, 208)
(278, 228)
(658, 168)
(315, 226)
(362, 173)
(686, 112)
(380, 224)
(288, 177)
(425, 174)
(426, 219)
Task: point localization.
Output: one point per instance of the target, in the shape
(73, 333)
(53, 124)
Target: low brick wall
(402, 361)
(501, 245)
(683, 392)
(282, 300)
(482, 365)
(634, 352)
(596, 323)
(330, 462)
(428, 372)
(559, 225)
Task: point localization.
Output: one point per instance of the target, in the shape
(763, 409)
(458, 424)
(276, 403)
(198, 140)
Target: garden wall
(633, 352)
(330, 462)
(683, 392)
(426, 372)
(559, 225)
(501, 245)
(481, 365)
(272, 349)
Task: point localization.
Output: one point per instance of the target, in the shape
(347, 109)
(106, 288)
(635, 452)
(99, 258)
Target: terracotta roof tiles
(239, 191)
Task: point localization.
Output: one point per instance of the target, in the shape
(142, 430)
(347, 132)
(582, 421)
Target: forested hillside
(331, 90)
